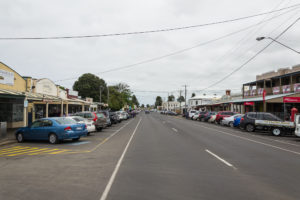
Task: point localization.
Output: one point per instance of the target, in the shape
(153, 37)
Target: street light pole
(262, 38)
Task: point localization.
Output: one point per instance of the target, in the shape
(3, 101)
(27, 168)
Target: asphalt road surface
(155, 156)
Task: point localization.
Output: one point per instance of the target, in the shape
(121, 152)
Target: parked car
(89, 123)
(53, 129)
(114, 118)
(98, 118)
(265, 121)
(228, 121)
(191, 113)
(201, 115)
(195, 115)
(223, 114)
(237, 120)
(147, 112)
(106, 114)
(212, 118)
(171, 113)
(207, 116)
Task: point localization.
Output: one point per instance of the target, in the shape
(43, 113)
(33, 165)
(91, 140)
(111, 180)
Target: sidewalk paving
(9, 138)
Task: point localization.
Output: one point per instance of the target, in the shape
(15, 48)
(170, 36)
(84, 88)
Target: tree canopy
(171, 98)
(158, 101)
(180, 99)
(193, 94)
(88, 85)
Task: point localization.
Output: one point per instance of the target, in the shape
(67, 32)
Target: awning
(256, 99)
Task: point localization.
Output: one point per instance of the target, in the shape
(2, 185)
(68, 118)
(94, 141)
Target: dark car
(223, 114)
(207, 116)
(202, 115)
(248, 121)
(147, 112)
(114, 118)
(171, 113)
(98, 118)
(53, 129)
(106, 114)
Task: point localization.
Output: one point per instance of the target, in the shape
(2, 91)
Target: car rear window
(78, 119)
(100, 115)
(251, 115)
(63, 121)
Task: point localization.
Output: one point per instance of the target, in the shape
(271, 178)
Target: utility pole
(107, 96)
(180, 101)
(185, 99)
(168, 101)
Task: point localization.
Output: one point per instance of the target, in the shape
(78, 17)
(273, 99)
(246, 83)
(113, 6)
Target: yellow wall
(19, 82)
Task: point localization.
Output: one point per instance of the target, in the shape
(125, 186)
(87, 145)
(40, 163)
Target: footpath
(9, 138)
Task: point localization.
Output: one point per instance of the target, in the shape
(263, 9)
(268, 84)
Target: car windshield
(78, 119)
(64, 121)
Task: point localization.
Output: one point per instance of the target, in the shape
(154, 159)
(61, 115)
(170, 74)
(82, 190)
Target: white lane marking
(258, 142)
(113, 176)
(221, 159)
(174, 129)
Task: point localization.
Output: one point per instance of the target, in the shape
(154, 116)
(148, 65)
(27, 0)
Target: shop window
(11, 112)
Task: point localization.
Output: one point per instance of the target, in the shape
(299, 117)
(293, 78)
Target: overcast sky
(197, 68)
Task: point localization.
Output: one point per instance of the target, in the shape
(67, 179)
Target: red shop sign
(251, 103)
(291, 99)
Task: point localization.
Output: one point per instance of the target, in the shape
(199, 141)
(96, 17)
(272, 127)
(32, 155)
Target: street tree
(148, 105)
(158, 101)
(135, 101)
(143, 106)
(180, 99)
(193, 94)
(88, 85)
(171, 98)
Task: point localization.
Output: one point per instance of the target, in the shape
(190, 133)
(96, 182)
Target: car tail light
(242, 119)
(95, 119)
(85, 126)
(68, 128)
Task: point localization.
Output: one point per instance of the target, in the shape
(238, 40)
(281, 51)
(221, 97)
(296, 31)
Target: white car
(212, 118)
(90, 126)
(195, 115)
(191, 113)
(228, 121)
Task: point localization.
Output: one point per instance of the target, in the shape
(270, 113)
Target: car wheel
(250, 127)
(99, 129)
(276, 131)
(88, 133)
(231, 124)
(53, 138)
(20, 137)
(76, 139)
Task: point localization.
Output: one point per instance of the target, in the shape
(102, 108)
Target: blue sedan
(54, 129)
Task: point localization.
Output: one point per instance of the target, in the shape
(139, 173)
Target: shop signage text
(250, 103)
(291, 99)
(276, 90)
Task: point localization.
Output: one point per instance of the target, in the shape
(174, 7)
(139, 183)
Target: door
(35, 129)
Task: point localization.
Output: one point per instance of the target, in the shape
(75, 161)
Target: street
(155, 156)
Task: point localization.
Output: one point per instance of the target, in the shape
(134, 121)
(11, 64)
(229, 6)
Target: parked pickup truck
(269, 122)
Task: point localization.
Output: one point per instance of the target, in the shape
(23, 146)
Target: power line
(253, 57)
(179, 51)
(145, 32)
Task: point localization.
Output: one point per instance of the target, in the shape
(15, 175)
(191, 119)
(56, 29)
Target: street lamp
(262, 38)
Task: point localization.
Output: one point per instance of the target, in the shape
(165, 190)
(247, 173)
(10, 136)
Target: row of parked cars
(75, 126)
(250, 121)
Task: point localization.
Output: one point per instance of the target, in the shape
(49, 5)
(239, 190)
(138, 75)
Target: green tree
(193, 94)
(171, 98)
(143, 106)
(148, 105)
(88, 85)
(158, 101)
(180, 99)
(135, 101)
(115, 99)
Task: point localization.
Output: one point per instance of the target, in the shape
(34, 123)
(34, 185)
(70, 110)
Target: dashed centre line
(221, 159)
(174, 129)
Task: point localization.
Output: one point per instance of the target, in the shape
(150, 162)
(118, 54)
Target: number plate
(78, 128)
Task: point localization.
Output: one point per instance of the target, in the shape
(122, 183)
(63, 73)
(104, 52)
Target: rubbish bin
(3, 129)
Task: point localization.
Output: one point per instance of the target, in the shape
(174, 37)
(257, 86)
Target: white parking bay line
(174, 129)
(221, 159)
(113, 176)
